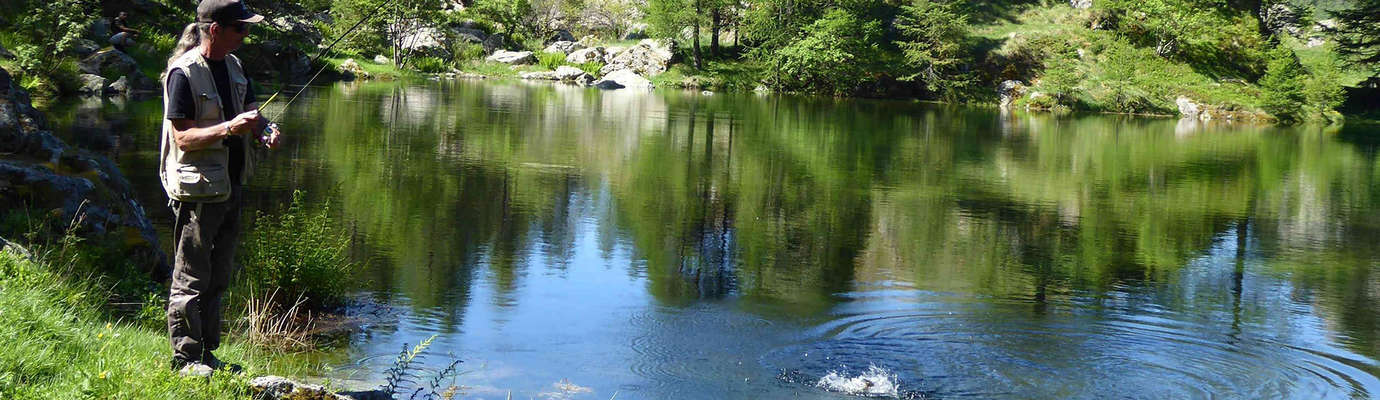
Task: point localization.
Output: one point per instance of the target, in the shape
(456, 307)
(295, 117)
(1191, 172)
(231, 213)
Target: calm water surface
(573, 243)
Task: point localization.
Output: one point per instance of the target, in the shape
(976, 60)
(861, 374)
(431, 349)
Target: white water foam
(875, 382)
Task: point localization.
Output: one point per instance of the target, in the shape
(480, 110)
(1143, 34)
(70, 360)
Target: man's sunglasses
(240, 27)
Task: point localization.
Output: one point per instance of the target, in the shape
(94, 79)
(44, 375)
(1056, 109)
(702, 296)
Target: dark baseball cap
(225, 11)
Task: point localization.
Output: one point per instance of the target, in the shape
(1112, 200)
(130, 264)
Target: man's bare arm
(189, 135)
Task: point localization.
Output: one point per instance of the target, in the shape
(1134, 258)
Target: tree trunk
(714, 24)
(695, 32)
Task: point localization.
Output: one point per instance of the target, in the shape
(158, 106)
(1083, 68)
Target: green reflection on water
(785, 203)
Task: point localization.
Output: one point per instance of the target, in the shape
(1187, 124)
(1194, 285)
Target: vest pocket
(203, 181)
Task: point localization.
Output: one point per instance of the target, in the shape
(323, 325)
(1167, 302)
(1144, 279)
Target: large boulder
(274, 60)
(91, 84)
(279, 388)
(589, 55)
(1010, 90)
(71, 186)
(296, 26)
(1280, 18)
(540, 75)
(1188, 108)
(513, 57)
(563, 47)
(623, 78)
(83, 47)
(109, 63)
(428, 41)
(469, 35)
(351, 69)
(569, 73)
(134, 84)
(636, 32)
(649, 57)
(495, 42)
(561, 35)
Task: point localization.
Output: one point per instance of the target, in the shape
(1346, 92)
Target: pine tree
(1358, 33)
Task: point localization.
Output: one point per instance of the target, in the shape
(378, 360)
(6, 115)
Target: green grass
(719, 75)
(376, 71)
(60, 343)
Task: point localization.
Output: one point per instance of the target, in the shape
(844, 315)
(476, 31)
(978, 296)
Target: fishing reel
(270, 130)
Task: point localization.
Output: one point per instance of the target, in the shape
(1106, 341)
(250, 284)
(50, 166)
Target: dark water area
(573, 243)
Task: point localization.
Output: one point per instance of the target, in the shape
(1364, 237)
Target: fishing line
(273, 125)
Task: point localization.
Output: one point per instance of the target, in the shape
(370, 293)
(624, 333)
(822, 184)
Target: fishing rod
(273, 126)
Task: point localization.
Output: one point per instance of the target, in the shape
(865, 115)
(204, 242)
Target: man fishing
(211, 122)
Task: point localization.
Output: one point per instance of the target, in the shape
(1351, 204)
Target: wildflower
(102, 375)
(100, 336)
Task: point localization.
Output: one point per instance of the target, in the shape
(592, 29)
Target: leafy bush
(592, 68)
(832, 57)
(298, 252)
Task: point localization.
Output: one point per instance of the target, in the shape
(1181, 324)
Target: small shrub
(1283, 86)
(299, 253)
(591, 68)
(550, 60)
(430, 64)
(466, 51)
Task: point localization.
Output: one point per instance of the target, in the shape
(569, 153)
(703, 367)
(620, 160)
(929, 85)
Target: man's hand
(271, 138)
(244, 123)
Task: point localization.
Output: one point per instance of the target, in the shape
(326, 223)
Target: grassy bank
(63, 341)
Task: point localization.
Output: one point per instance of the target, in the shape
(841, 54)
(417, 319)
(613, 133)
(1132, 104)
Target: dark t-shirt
(182, 105)
(120, 25)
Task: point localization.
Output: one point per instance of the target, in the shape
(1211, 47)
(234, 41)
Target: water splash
(875, 382)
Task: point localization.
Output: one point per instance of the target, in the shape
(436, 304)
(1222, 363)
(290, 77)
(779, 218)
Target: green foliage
(833, 57)
(430, 64)
(466, 51)
(507, 16)
(1358, 37)
(1322, 90)
(1283, 86)
(53, 28)
(1163, 24)
(550, 60)
(932, 34)
(592, 68)
(296, 252)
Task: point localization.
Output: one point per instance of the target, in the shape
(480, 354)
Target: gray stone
(561, 35)
(351, 67)
(1188, 108)
(649, 57)
(84, 47)
(568, 73)
(280, 388)
(1081, 4)
(563, 47)
(297, 26)
(589, 55)
(91, 84)
(469, 35)
(135, 83)
(513, 57)
(495, 42)
(108, 63)
(623, 78)
(1009, 91)
(78, 184)
(540, 75)
(426, 40)
(381, 59)
(635, 32)
(1280, 18)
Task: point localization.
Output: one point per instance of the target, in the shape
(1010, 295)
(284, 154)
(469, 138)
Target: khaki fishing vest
(203, 175)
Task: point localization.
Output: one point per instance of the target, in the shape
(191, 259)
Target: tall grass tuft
(297, 253)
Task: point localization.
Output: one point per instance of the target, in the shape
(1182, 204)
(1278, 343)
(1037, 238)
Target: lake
(566, 242)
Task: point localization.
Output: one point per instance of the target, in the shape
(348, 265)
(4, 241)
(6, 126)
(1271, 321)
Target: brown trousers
(204, 240)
